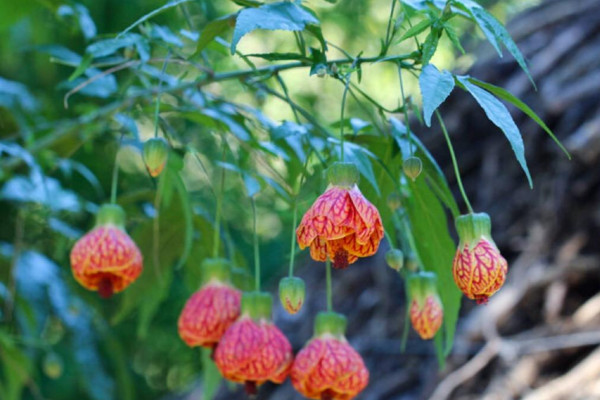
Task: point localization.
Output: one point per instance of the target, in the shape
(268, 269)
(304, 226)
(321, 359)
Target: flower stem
(329, 290)
(405, 110)
(454, 162)
(115, 175)
(293, 246)
(344, 96)
(160, 81)
(219, 210)
(256, 253)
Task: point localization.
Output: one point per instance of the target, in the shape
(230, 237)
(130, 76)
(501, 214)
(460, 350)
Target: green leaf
(435, 249)
(430, 46)
(248, 3)
(285, 16)
(153, 13)
(499, 115)
(435, 87)
(507, 96)
(434, 175)
(212, 30)
(360, 156)
(211, 377)
(86, 61)
(415, 30)
(454, 37)
(16, 369)
(494, 31)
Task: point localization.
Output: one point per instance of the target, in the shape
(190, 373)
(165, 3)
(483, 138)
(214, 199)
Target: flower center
(482, 299)
(340, 259)
(105, 287)
(251, 389)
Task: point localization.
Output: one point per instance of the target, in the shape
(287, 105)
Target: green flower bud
(156, 152)
(395, 259)
(292, 292)
(412, 167)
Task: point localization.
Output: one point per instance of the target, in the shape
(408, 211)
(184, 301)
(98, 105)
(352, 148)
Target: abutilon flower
(341, 225)
(155, 154)
(106, 259)
(212, 309)
(292, 292)
(253, 350)
(328, 368)
(426, 311)
(479, 269)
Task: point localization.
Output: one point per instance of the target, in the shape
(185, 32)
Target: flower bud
(395, 259)
(292, 292)
(156, 151)
(479, 269)
(426, 311)
(412, 167)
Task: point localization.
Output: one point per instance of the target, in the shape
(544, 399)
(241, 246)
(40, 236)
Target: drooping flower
(479, 269)
(426, 311)
(292, 292)
(155, 153)
(328, 368)
(212, 309)
(341, 225)
(106, 259)
(253, 350)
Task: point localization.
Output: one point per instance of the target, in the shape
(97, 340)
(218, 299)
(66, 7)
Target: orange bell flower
(212, 309)
(253, 350)
(479, 269)
(106, 259)
(328, 368)
(426, 311)
(342, 224)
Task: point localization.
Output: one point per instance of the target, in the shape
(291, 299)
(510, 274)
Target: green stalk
(256, 254)
(219, 199)
(115, 175)
(454, 162)
(293, 246)
(329, 290)
(409, 132)
(344, 96)
(160, 81)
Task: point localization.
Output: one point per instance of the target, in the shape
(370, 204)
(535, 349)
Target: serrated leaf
(430, 46)
(285, 16)
(415, 30)
(499, 115)
(435, 87)
(512, 99)
(212, 30)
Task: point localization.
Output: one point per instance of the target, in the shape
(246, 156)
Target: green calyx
(111, 214)
(331, 323)
(472, 227)
(395, 259)
(421, 285)
(258, 305)
(343, 174)
(218, 269)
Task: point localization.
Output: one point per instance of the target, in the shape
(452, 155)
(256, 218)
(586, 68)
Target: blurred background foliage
(58, 341)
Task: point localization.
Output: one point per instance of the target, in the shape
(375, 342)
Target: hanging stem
(389, 32)
(409, 132)
(454, 162)
(256, 253)
(344, 96)
(219, 198)
(293, 246)
(115, 175)
(160, 81)
(329, 290)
